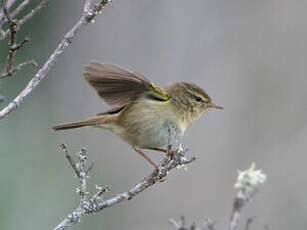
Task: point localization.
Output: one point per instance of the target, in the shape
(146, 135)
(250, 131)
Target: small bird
(142, 114)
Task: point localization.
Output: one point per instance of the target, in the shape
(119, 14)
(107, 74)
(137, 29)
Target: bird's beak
(211, 105)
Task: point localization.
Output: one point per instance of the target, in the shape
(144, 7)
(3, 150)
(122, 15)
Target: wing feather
(118, 86)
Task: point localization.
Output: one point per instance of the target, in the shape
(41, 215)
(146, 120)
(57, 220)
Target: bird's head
(190, 98)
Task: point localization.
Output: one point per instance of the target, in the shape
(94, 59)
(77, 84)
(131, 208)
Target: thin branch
(16, 11)
(239, 202)
(41, 5)
(70, 159)
(12, 41)
(81, 167)
(20, 8)
(66, 41)
(92, 205)
(18, 46)
(18, 68)
(208, 224)
(13, 47)
(8, 4)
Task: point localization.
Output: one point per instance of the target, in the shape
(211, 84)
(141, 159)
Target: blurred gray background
(249, 55)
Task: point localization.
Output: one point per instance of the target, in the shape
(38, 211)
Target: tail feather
(77, 124)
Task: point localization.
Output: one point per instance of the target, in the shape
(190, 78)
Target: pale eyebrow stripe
(205, 99)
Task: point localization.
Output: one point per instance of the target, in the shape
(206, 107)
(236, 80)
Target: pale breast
(155, 136)
(153, 127)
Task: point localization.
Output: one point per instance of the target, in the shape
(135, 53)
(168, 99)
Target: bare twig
(66, 41)
(70, 159)
(13, 47)
(18, 68)
(12, 31)
(93, 205)
(181, 224)
(81, 167)
(41, 5)
(8, 4)
(16, 11)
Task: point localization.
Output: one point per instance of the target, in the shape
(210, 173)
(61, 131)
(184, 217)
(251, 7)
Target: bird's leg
(158, 150)
(145, 156)
(167, 151)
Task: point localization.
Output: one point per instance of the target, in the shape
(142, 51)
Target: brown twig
(87, 17)
(13, 47)
(93, 205)
(19, 8)
(12, 31)
(8, 5)
(41, 5)
(18, 68)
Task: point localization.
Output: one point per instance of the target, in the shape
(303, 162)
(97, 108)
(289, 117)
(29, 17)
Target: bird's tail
(78, 124)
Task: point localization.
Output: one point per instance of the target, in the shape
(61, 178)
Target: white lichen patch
(250, 178)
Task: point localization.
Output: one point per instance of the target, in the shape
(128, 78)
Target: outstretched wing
(117, 86)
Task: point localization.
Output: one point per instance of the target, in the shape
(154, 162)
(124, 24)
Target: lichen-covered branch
(93, 204)
(247, 184)
(81, 167)
(88, 15)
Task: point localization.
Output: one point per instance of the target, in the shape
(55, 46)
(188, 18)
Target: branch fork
(87, 16)
(94, 204)
(13, 47)
(82, 167)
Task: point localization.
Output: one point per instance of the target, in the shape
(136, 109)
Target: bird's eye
(197, 98)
